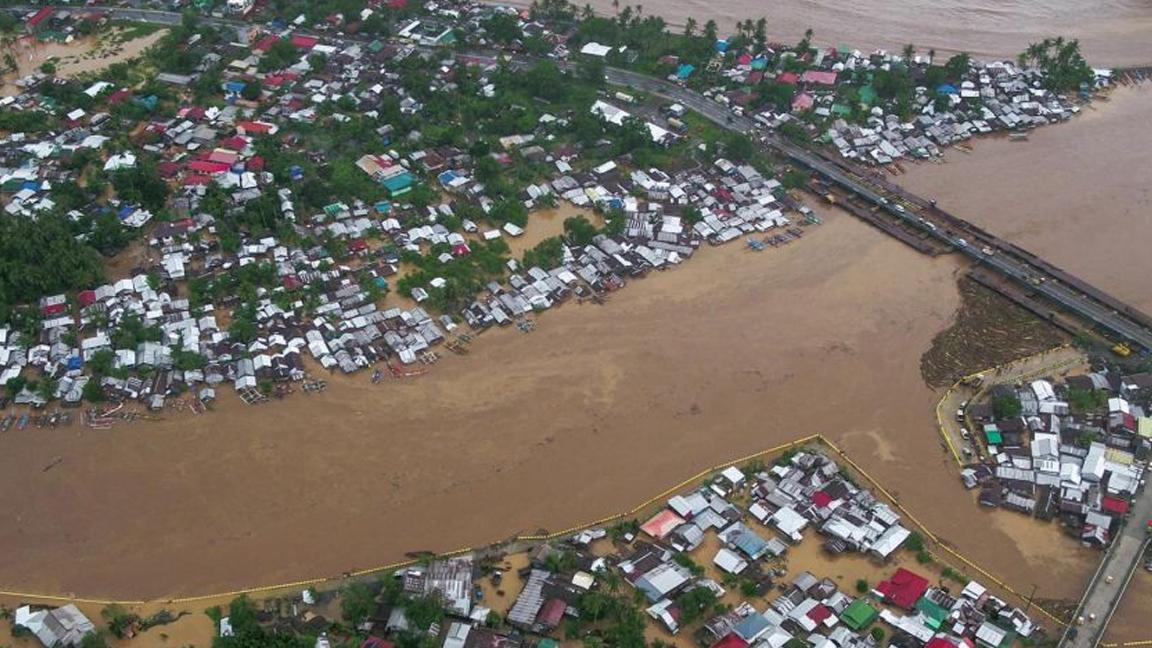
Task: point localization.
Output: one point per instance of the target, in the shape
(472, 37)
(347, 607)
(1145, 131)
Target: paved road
(1100, 309)
(1107, 587)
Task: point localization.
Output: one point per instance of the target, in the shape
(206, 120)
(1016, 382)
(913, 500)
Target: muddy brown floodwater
(600, 408)
(1111, 32)
(1077, 194)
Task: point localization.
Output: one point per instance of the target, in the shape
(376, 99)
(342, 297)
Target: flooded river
(598, 409)
(1112, 32)
(1077, 194)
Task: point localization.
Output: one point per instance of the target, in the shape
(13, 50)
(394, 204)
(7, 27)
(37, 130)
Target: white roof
(595, 49)
(729, 561)
(733, 475)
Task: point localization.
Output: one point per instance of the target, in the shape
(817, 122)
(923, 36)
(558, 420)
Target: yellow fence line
(932, 536)
(1123, 644)
(940, 426)
(698, 477)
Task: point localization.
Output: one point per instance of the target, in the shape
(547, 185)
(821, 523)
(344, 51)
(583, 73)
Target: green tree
(357, 602)
(253, 89)
(579, 230)
(1006, 406)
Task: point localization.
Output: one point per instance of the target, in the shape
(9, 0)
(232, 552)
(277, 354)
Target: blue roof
(235, 86)
(748, 542)
(946, 88)
(383, 206)
(30, 184)
(721, 45)
(126, 211)
(447, 177)
(752, 627)
(686, 70)
(74, 363)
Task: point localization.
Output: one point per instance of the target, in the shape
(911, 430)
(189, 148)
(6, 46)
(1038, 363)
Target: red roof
(357, 245)
(291, 282)
(939, 642)
(819, 612)
(222, 156)
(788, 77)
(167, 169)
(196, 179)
(662, 524)
(744, 59)
(552, 613)
(904, 588)
(803, 101)
(821, 499)
(755, 76)
(376, 642)
(304, 42)
(1115, 505)
(54, 309)
(40, 16)
(397, 4)
(266, 43)
(235, 143)
(256, 163)
(731, 640)
(86, 298)
(819, 77)
(195, 112)
(253, 127)
(207, 166)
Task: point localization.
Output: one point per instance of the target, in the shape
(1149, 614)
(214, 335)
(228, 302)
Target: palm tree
(909, 52)
(690, 27)
(616, 6)
(761, 32)
(710, 31)
(931, 56)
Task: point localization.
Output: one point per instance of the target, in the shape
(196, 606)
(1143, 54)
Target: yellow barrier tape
(940, 417)
(698, 477)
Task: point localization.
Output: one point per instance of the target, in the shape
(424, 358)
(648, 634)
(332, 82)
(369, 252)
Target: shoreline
(404, 506)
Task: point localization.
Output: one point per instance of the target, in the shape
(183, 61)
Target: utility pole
(1030, 597)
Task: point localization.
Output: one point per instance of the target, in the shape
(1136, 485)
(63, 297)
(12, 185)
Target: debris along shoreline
(988, 331)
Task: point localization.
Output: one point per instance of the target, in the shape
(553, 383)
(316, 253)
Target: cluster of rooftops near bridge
(1072, 450)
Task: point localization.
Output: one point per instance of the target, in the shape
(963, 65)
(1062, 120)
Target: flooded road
(598, 409)
(1111, 32)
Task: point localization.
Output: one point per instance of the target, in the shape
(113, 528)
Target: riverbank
(1112, 33)
(1076, 195)
(708, 359)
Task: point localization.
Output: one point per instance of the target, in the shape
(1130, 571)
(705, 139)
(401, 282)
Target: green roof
(547, 643)
(867, 94)
(399, 184)
(992, 434)
(841, 109)
(934, 615)
(859, 615)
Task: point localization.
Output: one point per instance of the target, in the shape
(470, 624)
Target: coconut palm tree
(931, 56)
(690, 27)
(909, 52)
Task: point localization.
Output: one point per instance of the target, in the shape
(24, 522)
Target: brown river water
(605, 405)
(1111, 32)
(600, 408)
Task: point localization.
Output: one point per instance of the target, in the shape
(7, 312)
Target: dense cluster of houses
(310, 305)
(764, 605)
(1080, 463)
